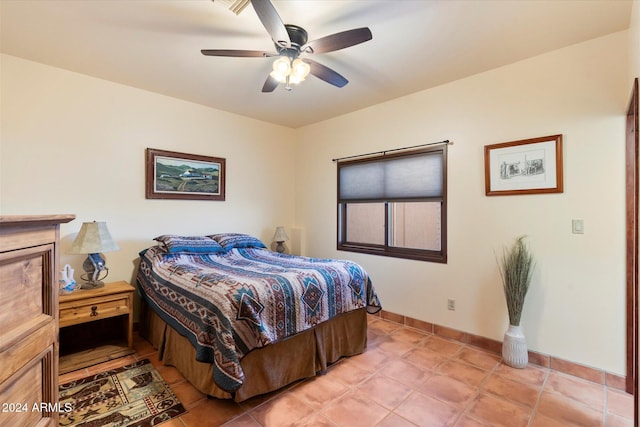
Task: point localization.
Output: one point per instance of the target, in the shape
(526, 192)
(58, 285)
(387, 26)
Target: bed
(238, 320)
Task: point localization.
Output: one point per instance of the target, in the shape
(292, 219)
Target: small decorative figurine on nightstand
(67, 283)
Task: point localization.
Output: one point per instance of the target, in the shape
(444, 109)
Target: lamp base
(280, 248)
(92, 285)
(93, 266)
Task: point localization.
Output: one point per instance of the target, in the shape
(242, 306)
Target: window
(395, 204)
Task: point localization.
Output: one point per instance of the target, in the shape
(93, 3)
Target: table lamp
(280, 237)
(93, 239)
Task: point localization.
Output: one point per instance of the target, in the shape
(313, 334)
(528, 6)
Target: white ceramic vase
(514, 348)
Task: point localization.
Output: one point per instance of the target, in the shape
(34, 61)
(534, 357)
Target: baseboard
(598, 376)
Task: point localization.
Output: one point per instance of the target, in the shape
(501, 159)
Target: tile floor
(406, 378)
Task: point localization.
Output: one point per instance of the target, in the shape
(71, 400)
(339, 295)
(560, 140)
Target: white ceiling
(155, 45)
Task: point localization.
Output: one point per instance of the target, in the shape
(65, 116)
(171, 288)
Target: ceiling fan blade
(325, 73)
(270, 84)
(271, 20)
(338, 41)
(237, 53)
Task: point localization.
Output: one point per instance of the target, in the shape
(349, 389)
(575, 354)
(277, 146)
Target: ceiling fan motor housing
(298, 37)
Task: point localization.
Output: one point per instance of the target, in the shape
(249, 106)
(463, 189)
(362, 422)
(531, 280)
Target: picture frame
(528, 166)
(173, 175)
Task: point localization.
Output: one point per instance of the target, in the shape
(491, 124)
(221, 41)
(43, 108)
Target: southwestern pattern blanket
(230, 303)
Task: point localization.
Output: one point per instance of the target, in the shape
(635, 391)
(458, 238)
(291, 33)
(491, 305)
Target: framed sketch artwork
(528, 166)
(171, 175)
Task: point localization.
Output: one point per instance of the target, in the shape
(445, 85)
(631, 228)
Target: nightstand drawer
(91, 310)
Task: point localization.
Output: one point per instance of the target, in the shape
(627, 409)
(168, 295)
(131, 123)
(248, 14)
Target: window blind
(398, 178)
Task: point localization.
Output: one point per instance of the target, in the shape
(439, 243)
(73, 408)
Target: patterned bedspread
(230, 303)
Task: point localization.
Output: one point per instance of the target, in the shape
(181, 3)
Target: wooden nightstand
(95, 325)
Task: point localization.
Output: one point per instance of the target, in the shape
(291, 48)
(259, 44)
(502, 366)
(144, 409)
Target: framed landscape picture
(528, 166)
(172, 175)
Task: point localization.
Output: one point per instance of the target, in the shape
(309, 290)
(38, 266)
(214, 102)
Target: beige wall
(576, 307)
(634, 42)
(75, 144)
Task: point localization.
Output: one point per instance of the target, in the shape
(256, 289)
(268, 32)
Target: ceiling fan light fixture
(299, 70)
(281, 69)
(286, 71)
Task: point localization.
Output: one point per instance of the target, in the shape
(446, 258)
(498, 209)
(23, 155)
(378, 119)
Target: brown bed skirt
(266, 369)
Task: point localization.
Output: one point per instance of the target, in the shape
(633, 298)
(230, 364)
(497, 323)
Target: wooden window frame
(387, 250)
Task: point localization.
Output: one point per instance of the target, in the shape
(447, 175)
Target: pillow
(189, 244)
(237, 240)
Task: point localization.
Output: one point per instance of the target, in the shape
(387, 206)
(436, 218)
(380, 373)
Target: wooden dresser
(29, 265)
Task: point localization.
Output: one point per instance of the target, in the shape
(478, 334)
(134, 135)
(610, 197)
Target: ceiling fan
(290, 42)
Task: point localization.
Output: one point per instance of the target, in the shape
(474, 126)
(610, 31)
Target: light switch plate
(577, 226)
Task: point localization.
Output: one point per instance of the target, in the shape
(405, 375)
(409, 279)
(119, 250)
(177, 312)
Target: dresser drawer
(93, 309)
(25, 287)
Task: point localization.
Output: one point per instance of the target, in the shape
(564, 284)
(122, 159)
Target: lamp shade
(280, 235)
(299, 70)
(93, 238)
(281, 69)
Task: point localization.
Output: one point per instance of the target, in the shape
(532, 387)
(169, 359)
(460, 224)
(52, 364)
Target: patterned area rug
(134, 395)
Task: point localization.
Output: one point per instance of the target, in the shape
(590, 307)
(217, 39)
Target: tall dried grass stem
(516, 269)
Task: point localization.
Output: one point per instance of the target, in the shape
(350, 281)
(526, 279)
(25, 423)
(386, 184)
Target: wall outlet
(451, 304)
